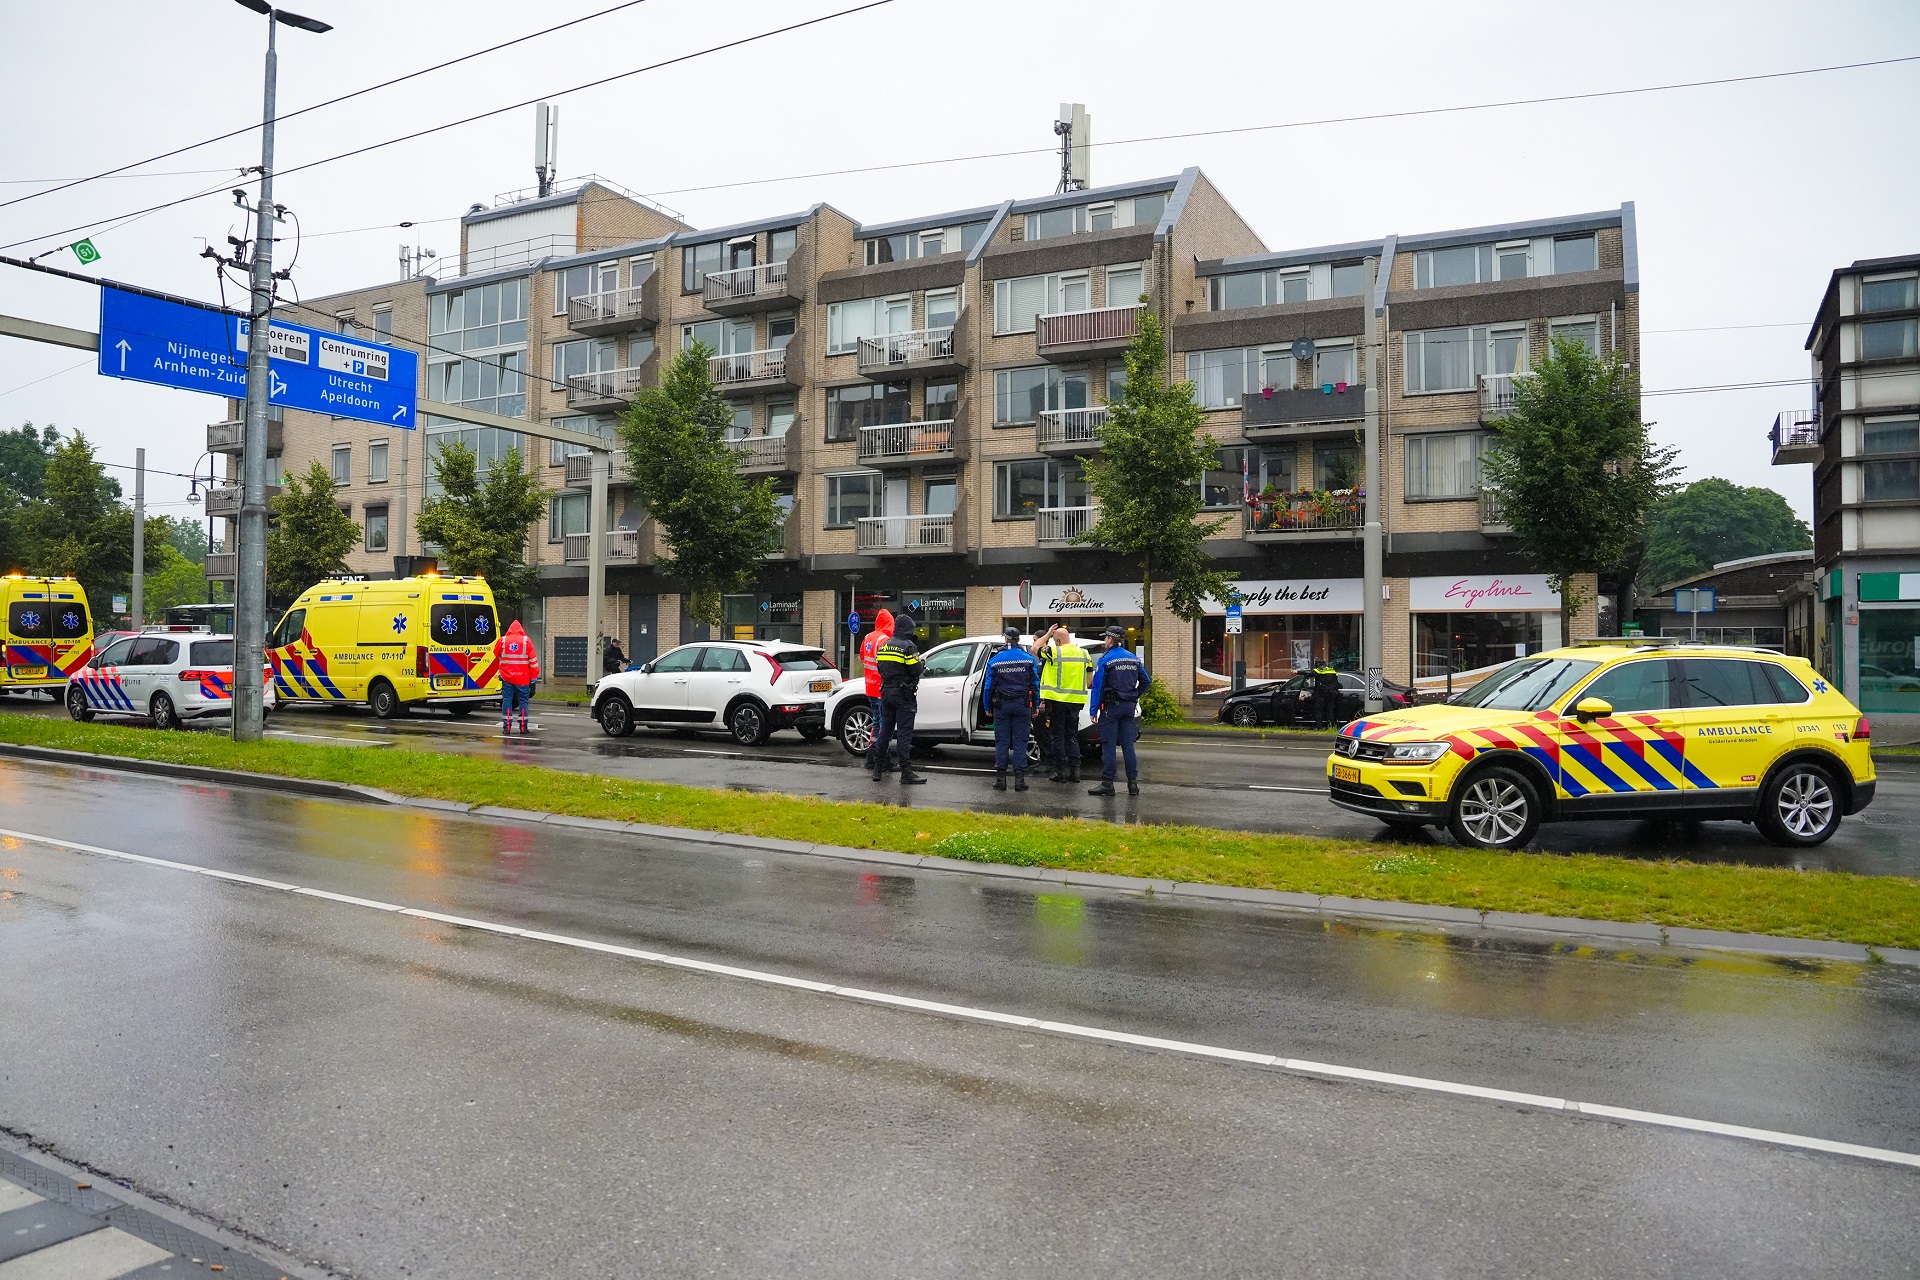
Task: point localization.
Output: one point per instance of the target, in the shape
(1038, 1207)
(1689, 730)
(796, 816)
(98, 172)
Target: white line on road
(969, 1013)
(1312, 791)
(698, 751)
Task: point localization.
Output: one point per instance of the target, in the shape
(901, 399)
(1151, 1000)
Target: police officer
(899, 661)
(1063, 692)
(1119, 682)
(1011, 689)
(870, 669)
(1326, 692)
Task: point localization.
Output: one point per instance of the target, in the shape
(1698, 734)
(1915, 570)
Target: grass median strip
(1876, 910)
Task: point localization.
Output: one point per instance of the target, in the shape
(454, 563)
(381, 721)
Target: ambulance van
(48, 634)
(394, 645)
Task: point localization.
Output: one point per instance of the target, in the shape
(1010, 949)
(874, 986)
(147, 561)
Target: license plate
(820, 686)
(28, 673)
(449, 682)
(1345, 773)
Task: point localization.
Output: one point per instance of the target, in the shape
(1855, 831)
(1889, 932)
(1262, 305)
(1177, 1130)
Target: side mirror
(646, 668)
(1592, 709)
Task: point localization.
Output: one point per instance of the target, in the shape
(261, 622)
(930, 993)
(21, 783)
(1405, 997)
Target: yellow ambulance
(394, 645)
(48, 633)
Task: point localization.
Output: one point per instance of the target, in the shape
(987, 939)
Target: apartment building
(924, 393)
(1862, 436)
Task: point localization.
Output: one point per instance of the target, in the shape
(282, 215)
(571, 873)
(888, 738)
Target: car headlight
(1416, 752)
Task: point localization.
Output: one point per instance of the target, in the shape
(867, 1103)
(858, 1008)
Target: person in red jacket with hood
(882, 631)
(519, 668)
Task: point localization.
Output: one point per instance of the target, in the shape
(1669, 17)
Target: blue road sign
(174, 344)
(1694, 600)
(853, 623)
(1233, 609)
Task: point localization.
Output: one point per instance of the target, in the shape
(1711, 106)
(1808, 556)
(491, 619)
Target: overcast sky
(1748, 195)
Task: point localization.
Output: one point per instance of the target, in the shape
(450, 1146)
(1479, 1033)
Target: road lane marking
(969, 1013)
(700, 751)
(1312, 791)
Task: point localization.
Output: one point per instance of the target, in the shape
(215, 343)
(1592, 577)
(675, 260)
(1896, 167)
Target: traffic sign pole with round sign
(1026, 602)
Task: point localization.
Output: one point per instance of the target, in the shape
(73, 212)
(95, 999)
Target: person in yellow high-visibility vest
(1064, 668)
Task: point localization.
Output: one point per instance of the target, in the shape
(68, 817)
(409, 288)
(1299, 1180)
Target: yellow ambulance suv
(1616, 729)
(48, 633)
(394, 645)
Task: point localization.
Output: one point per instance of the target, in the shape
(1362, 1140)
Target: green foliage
(1146, 480)
(1713, 520)
(188, 536)
(480, 525)
(308, 536)
(1013, 848)
(23, 458)
(719, 526)
(78, 526)
(1575, 468)
(175, 580)
(1159, 708)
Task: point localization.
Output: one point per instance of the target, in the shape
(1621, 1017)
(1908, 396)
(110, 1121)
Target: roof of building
(1859, 266)
(1729, 568)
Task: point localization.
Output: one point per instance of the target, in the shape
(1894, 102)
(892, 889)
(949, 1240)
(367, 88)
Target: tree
(176, 580)
(23, 458)
(719, 526)
(308, 536)
(188, 537)
(1713, 520)
(78, 526)
(1575, 468)
(480, 525)
(1146, 480)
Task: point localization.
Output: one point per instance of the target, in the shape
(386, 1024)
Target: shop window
(1472, 642)
(761, 617)
(1277, 646)
(1889, 660)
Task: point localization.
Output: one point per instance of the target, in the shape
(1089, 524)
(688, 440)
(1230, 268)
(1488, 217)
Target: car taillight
(420, 661)
(778, 671)
(1863, 732)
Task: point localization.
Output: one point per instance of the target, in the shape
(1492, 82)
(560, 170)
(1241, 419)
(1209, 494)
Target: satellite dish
(1303, 348)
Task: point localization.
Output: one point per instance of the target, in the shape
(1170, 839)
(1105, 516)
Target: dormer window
(927, 242)
(1105, 215)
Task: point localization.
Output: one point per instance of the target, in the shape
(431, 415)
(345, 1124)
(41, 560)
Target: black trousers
(897, 711)
(1063, 720)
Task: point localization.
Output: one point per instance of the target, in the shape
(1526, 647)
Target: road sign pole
(250, 578)
(598, 524)
(1372, 561)
(139, 592)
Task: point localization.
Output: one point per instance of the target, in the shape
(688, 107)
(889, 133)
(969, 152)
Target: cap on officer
(1115, 633)
(1011, 635)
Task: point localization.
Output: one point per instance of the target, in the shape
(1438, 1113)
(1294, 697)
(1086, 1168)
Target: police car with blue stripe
(168, 675)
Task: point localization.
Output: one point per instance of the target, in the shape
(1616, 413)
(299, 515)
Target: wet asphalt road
(1241, 784)
(401, 1097)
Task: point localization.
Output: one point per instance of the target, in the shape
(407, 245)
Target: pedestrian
(1064, 667)
(614, 660)
(1010, 692)
(1119, 682)
(519, 668)
(877, 725)
(898, 658)
(1326, 692)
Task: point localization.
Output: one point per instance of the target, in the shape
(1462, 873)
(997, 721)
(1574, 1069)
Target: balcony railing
(230, 436)
(623, 547)
(514, 253)
(1493, 518)
(634, 307)
(1052, 525)
(883, 534)
(1071, 428)
(224, 500)
(580, 469)
(743, 287)
(1796, 437)
(899, 352)
(909, 441)
(1496, 394)
(1296, 411)
(222, 566)
(1305, 513)
(1079, 331)
(764, 453)
(608, 386)
(750, 366)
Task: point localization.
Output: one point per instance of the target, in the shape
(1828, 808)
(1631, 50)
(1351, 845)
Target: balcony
(1072, 334)
(907, 443)
(791, 530)
(1070, 430)
(229, 436)
(760, 288)
(1493, 519)
(921, 351)
(580, 469)
(766, 455)
(618, 310)
(1496, 394)
(1274, 414)
(748, 371)
(223, 566)
(905, 535)
(607, 389)
(623, 547)
(224, 500)
(1796, 437)
(1304, 517)
(1058, 526)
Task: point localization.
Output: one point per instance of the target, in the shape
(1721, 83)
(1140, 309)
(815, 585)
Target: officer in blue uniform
(1011, 690)
(1119, 681)
(899, 661)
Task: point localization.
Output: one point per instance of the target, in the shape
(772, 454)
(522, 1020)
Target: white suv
(752, 688)
(169, 676)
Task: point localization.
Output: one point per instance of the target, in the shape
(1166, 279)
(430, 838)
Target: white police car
(168, 675)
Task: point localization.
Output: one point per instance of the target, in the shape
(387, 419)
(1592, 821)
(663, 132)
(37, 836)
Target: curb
(1325, 905)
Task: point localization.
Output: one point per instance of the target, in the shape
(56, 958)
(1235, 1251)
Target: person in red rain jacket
(881, 633)
(519, 668)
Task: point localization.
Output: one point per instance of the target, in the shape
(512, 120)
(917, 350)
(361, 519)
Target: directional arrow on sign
(123, 348)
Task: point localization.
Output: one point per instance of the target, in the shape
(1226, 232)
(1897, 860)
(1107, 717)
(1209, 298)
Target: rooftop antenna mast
(546, 144)
(1075, 130)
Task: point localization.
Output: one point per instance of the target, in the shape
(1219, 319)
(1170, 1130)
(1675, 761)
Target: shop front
(1466, 625)
(1889, 630)
(1087, 609)
(761, 617)
(941, 613)
(1287, 625)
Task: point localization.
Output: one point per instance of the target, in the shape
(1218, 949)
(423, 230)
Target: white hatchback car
(168, 676)
(753, 688)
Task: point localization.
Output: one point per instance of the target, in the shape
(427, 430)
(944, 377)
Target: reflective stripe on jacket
(899, 662)
(1063, 674)
(519, 664)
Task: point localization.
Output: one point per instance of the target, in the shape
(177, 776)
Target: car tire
(1496, 808)
(1800, 805)
(1033, 751)
(385, 702)
(615, 715)
(747, 722)
(1246, 715)
(163, 713)
(77, 706)
(856, 730)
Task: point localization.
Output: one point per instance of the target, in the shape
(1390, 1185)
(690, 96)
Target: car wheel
(385, 702)
(165, 714)
(616, 716)
(747, 722)
(1799, 806)
(1033, 751)
(1495, 809)
(856, 730)
(1246, 715)
(77, 704)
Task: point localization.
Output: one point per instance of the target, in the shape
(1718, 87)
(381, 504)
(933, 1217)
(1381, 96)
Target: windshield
(802, 660)
(1527, 685)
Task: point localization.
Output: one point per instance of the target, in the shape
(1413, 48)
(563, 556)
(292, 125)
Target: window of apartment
(1221, 377)
(1020, 395)
(377, 472)
(1584, 330)
(582, 281)
(1460, 264)
(942, 400)
(781, 415)
(1890, 435)
(1017, 301)
(492, 315)
(584, 356)
(1889, 339)
(1021, 488)
(1105, 215)
(566, 516)
(869, 405)
(781, 244)
(1890, 293)
(940, 495)
(343, 464)
(560, 450)
(1221, 483)
(943, 308)
(1575, 253)
(383, 324)
(1337, 464)
(1445, 465)
(852, 496)
(346, 509)
(343, 321)
(1333, 364)
(376, 529)
(1350, 279)
(722, 337)
(848, 322)
(1454, 359)
(780, 329)
(1890, 481)
(904, 246)
(1116, 382)
(1510, 259)
(742, 425)
(696, 261)
(1125, 285)
(1259, 288)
